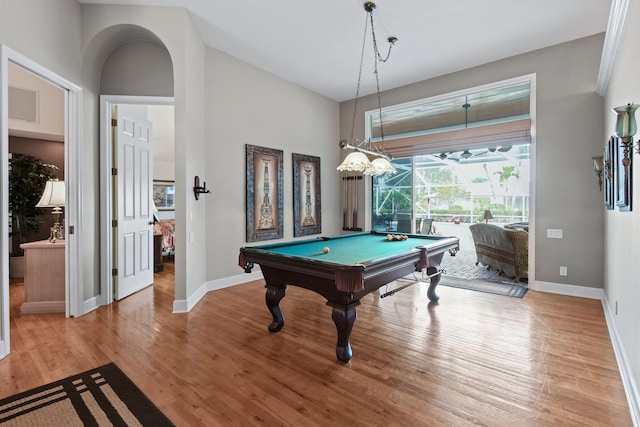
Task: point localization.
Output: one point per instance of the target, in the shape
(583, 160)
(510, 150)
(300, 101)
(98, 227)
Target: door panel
(134, 197)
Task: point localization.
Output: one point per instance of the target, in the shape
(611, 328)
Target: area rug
(509, 289)
(102, 396)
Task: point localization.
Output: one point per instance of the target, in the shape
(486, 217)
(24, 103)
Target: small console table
(44, 281)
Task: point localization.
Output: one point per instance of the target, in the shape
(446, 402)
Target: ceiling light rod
(344, 145)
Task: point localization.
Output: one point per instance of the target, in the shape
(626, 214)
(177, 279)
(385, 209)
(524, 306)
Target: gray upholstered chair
(425, 227)
(504, 250)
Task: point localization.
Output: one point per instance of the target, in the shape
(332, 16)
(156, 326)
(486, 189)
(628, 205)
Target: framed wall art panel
(307, 218)
(163, 192)
(264, 193)
(609, 158)
(623, 177)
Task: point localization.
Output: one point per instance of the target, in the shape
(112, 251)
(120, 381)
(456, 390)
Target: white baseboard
(225, 282)
(90, 304)
(185, 306)
(628, 381)
(570, 290)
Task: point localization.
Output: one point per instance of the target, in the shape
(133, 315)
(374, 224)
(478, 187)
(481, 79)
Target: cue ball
(325, 250)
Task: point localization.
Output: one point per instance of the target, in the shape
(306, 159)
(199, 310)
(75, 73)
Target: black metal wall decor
(197, 189)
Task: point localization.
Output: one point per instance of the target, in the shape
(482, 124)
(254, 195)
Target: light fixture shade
(487, 215)
(626, 125)
(355, 162)
(53, 195)
(380, 166)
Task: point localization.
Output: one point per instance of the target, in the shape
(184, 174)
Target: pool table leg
(433, 282)
(344, 316)
(273, 297)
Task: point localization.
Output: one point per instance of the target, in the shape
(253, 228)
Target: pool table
(355, 265)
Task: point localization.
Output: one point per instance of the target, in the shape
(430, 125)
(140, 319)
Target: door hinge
(71, 229)
(114, 272)
(114, 171)
(114, 122)
(114, 223)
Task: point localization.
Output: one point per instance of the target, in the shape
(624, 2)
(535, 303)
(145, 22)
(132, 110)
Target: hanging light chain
(379, 58)
(391, 39)
(355, 105)
(375, 71)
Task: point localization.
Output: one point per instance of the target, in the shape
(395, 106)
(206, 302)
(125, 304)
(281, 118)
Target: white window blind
(488, 136)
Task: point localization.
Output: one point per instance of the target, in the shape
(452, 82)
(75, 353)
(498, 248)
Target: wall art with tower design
(264, 193)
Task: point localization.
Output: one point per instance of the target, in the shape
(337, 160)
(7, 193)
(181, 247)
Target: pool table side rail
(347, 278)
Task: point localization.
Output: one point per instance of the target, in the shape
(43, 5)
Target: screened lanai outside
(453, 188)
(460, 160)
(444, 194)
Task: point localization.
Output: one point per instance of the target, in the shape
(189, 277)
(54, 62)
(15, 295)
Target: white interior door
(134, 249)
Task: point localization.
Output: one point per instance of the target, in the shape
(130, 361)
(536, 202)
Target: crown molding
(611, 42)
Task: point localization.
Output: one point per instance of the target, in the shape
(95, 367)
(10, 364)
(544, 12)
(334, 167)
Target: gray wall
(140, 68)
(248, 106)
(28, 28)
(622, 229)
(568, 132)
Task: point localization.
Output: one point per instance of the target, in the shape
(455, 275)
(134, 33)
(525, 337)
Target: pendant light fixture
(358, 160)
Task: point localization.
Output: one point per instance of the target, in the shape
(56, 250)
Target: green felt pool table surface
(361, 248)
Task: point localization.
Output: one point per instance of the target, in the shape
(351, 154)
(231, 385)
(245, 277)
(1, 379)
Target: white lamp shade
(380, 166)
(355, 162)
(53, 195)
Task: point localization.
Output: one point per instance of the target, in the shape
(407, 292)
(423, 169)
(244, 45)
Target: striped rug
(506, 288)
(510, 289)
(102, 396)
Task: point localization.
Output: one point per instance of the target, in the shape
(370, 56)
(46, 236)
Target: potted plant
(27, 178)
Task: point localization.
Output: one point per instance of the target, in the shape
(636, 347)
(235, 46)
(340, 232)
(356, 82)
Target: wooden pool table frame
(322, 277)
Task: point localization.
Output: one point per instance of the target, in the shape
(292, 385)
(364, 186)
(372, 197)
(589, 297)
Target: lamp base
(56, 233)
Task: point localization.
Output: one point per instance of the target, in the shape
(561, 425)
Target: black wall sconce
(197, 189)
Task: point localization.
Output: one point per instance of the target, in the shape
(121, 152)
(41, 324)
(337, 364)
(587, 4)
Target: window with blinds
(457, 156)
(487, 118)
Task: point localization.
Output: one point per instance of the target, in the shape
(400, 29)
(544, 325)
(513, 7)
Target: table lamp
(53, 197)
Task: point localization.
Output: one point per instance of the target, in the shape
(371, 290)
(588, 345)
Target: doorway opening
(159, 111)
(72, 230)
(444, 194)
(36, 156)
(462, 158)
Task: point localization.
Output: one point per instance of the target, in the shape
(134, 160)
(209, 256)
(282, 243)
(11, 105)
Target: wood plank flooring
(471, 359)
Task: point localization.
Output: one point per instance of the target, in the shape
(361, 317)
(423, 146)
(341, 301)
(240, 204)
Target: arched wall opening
(132, 63)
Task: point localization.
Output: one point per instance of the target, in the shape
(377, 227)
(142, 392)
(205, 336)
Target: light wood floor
(471, 359)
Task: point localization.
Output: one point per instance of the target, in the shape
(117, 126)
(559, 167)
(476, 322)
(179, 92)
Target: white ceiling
(317, 44)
